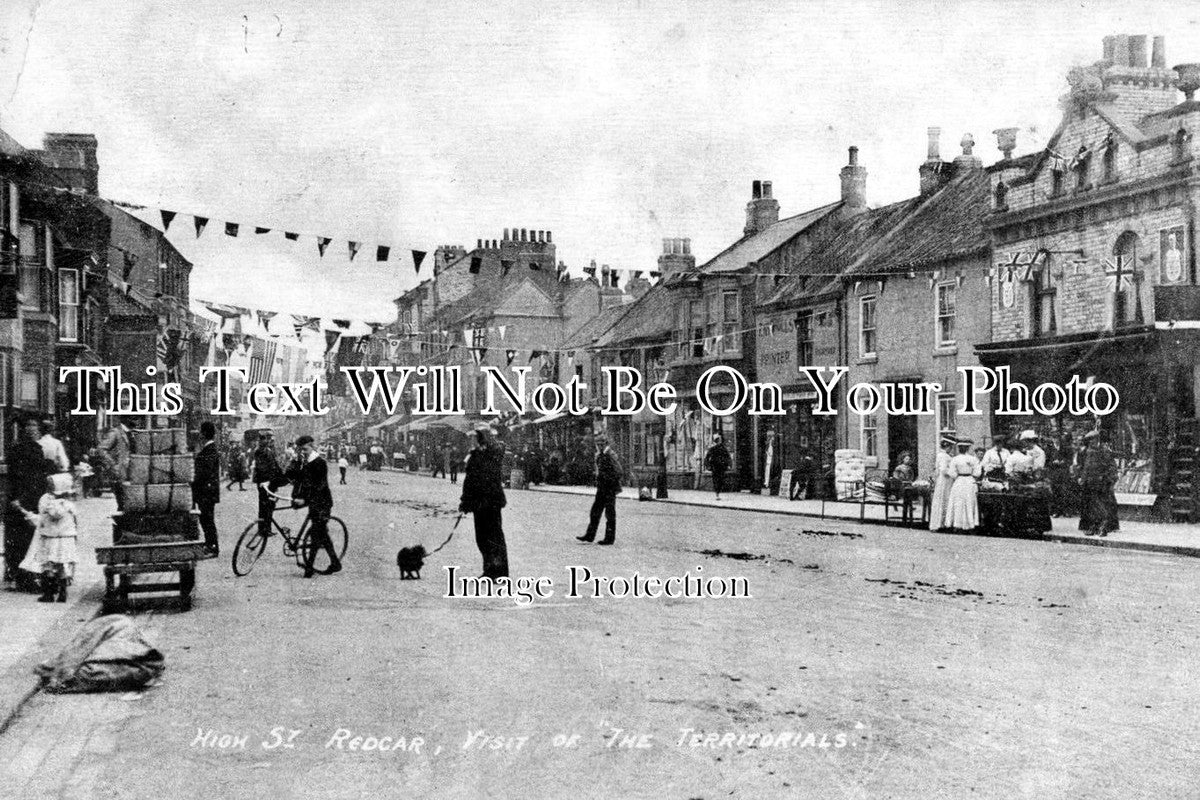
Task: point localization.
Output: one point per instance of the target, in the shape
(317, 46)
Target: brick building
(1094, 241)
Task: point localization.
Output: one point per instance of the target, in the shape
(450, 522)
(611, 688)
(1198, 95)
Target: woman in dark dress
(28, 469)
(1097, 478)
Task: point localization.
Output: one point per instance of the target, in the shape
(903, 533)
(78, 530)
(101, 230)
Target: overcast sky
(611, 124)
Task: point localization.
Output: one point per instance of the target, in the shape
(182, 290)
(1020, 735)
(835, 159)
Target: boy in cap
(310, 474)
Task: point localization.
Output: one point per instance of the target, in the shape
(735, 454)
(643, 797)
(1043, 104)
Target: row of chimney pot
(525, 235)
(682, 247)
(761, 190)
(1130, 51)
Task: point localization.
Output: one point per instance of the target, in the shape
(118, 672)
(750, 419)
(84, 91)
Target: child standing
(52, 551)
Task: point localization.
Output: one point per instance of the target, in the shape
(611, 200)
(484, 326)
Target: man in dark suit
(206, 486)
(608, 486)
(483, 496)
(267, 477)
(310, 474)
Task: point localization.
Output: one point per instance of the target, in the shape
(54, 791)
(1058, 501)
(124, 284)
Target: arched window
(1125, 281)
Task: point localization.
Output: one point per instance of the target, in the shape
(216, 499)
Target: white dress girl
(962, 511)
(943, 479)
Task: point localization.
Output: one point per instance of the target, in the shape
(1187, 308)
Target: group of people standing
(960, 474)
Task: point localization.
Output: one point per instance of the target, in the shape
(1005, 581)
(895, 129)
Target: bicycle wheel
(322, 563)
(250, 546)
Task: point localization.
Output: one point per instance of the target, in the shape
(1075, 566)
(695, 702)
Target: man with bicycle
(310, 476)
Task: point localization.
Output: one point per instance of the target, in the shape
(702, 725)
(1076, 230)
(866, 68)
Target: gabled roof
(587, 333)
(650, 318)
(949, 225)
(752, 247)
(847, 242)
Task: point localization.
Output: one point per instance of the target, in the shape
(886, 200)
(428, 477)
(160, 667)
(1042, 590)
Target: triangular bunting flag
(382, 252)
(477, 354)
(535, 354)
(291, 236)
(261, 230)
(342, 323)
(331, 338)
(322, 243)
(353, 249)
(509, 355)
(199, 222)
(655, 274)
(167, 216)
(417, 256)
(231, 229)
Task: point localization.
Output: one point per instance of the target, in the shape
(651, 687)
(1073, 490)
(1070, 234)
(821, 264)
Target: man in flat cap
(483, 497)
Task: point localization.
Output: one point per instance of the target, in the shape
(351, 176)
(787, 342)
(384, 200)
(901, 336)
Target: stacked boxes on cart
(158, 496)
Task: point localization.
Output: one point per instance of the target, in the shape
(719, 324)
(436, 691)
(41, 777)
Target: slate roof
(752, 247)
(947, 226)
(652, 317)
(847, 242)
(587, 333)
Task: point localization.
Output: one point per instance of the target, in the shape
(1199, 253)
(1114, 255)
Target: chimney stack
(73, 156)
(933, 173)
(676, 257)
(854, 185)
(763, 210)
(1134, 84)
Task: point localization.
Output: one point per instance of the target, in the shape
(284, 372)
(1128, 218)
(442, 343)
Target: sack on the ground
(645, 494)
(109, 654)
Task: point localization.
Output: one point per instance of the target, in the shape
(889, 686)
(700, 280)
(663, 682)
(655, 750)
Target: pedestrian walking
(206, 486)
(1099, 475)
(943, 480)
(115, 449)
(717, 461)
(608, 486)
(343, 465)
(456, 460)
(52, 446)
(267, 477)
(309, 475)
(52, 550)
(236, 468)
(483, 496)
(28, 469)
(962, 512)
(439, 463)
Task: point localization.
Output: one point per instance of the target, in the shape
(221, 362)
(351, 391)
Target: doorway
(902, 437)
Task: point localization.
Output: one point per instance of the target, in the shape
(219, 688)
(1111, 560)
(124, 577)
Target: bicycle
(252, 543)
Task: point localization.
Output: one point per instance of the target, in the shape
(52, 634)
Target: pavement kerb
(19, 683)
(1117, 544)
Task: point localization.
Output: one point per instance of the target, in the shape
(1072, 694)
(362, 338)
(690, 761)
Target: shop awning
(394, 419)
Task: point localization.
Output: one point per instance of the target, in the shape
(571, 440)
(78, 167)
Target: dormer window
(1000, 196)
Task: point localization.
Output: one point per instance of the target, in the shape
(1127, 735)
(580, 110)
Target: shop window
(945, 312)
(1127, 305)
(804, 339)
(68, 305)
(866, 326)
(869, 436)
(947, 420)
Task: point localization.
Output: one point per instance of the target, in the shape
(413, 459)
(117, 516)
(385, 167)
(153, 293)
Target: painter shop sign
(776, 349)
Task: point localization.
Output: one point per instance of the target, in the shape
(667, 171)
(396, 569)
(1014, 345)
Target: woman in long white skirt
(962, 512)
(943, 479)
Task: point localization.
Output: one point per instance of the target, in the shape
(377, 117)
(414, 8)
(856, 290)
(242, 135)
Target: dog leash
(451, 536)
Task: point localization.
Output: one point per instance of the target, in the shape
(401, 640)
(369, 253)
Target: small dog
(410, 560)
